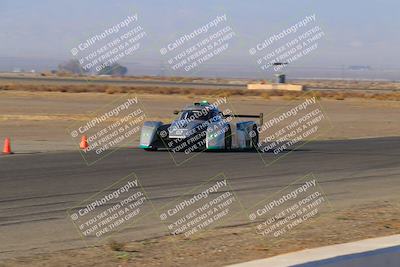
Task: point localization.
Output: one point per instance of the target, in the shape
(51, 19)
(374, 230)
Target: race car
(201, 126)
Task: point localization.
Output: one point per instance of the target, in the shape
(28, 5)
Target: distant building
(359, 67)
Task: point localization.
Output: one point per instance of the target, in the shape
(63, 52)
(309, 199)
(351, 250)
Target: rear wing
(261, 117)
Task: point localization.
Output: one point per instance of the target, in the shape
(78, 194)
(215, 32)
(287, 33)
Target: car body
(200, 126)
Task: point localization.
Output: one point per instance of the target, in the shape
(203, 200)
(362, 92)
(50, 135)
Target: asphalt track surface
(36, 190)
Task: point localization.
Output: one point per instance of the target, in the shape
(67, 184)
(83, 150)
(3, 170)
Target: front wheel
(228, 138)
(150, 149)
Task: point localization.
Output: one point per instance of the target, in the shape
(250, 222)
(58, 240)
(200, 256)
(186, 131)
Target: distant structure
(359, 67)
(279, 82)
(113, 70)
(280, 77)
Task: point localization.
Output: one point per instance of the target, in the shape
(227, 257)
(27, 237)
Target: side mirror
(176, 112)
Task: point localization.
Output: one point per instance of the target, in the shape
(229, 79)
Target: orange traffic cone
(84, 143)
(7, 146)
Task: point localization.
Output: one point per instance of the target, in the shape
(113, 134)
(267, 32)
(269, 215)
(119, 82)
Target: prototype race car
(201, 126)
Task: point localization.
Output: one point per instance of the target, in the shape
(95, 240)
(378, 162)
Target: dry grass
(317, 94)
(290, 97)
(344, 84)
(340, 96)
(116, 246)
(111, 89)
(144, 77)
(265, 95)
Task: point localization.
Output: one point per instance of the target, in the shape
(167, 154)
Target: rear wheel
(254, 137)
(228, 138)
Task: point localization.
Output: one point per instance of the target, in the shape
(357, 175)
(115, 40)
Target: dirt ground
(39, 121)
(223, 246)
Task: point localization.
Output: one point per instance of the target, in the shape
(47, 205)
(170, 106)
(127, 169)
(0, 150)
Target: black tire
(254, 137)
(228, 138)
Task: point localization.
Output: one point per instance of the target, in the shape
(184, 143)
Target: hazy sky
(361, 32)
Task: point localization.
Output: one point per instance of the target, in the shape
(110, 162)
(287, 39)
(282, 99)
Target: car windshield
(203, 114)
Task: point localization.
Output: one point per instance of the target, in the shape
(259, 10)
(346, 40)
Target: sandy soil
(38, 122)
(223, 246)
